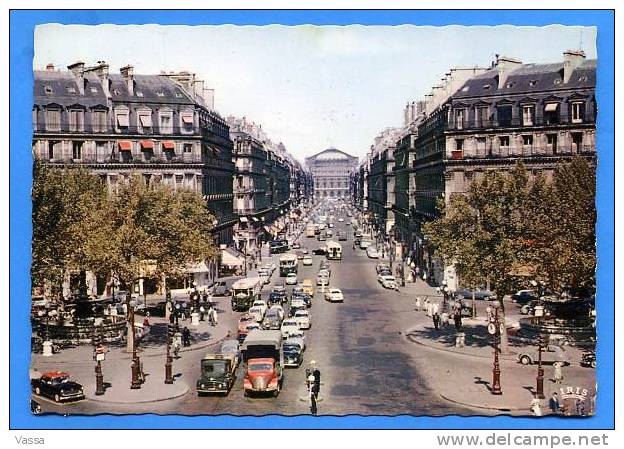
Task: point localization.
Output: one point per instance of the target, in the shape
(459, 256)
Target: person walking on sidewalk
(186, 336)
(553, 403)
(458, 321)
(436, 321)
(558, 376)
(536, 407)
(202, 312)
(215, 316)
(177, 343)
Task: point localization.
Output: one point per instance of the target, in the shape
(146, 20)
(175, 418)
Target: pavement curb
(482, 407)
(138, 401)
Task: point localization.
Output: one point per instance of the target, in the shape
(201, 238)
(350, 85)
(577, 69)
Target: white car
(307, 261)
(388, 281)
(334, 295)
(291, 279)
(297, 303)
(297, 337)
(257, 313)
(322, 281)
(289, 326)
(372, 252)
(324, 272)
(279, 309)
(262, 304)
(341, 219)
(303, 318)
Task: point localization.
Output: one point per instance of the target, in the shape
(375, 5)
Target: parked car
(334, 295)
(588, 359)
(372, 252)
(220, 288)
(550, 355)
(382, 266)
(524, 296)
(291, 279)
(388, 281)
(293, 354)
(57, 386)
(479, 294)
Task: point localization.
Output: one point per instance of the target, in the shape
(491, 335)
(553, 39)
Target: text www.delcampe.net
(532, 440)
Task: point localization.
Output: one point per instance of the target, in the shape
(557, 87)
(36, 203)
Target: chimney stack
(77, 69)
(571, 60)
(127, 73)
(50, 67)
(506, 65)
(101, 71)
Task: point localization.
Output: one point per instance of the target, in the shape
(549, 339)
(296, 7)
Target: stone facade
(330, 170)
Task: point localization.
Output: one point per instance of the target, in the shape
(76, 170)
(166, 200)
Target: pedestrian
(215, 316)
(436, 307)
(424, 276)
(436, 321)
(536, 407)
(186, 336)
(553, 403)
(580, 407)
(177, 343)
(558, 376)
(202, 311)
(458, 321)
(445, 318)
(417, 303)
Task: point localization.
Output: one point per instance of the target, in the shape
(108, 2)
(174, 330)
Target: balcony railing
(523, 151)
(547, 120)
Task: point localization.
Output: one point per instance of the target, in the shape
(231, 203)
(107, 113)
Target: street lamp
(445, 294)
(135, 364)
(494, 328)
(169, 359)
(99, 354)
(538, 312)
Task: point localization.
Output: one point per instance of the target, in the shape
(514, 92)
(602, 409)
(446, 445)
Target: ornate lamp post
(494, 328)
(135, 365)
(99, 354)
(169, 359)
(539, 313)
(444, 289)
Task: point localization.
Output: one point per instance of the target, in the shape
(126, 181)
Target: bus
(288, 264)
(245, 291)
(334, 250)
(310, 230)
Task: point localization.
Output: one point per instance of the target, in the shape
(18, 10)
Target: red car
(57, 386)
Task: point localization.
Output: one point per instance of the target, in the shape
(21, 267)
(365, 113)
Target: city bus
(288, 264)
(245, 291)
(334, 250)
(310, 230)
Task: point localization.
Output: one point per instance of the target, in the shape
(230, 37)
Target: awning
(147, 144)
(187, 119)
(232, 258)
(551, 107)
(146, 120)
(168, 145)
(125, 145)
(198, 268)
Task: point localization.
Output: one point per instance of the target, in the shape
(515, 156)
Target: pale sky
(311, 87)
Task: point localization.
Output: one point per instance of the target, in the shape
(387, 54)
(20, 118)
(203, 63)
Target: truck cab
(264, 363)
(218, 374)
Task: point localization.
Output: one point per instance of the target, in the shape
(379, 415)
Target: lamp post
(538, 312)
(444, 289)
(495, 330)
(135, 364)
(169, 359)
(99, 354)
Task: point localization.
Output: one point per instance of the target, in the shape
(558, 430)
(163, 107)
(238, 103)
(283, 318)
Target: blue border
(22, 25)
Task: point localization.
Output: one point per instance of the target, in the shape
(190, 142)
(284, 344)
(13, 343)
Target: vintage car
(550, 354)
(289, 326)
(293, 355)
(308, 287)
(387, 281)
(307, 261)
(303, 318)
(588, 360)
(334, 295)
(57, 386)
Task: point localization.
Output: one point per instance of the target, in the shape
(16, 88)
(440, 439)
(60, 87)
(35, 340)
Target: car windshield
(335, 291)
(59, 380)
(301, 314)
(214, 368)
(260, 367)
(291, 348)
(290, 323)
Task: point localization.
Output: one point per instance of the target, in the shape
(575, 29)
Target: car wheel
(593, 364)
(525, 360)
(57, 398)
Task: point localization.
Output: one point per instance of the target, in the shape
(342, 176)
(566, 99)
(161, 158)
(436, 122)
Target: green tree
(64, 204)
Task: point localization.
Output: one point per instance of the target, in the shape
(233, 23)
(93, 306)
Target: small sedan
(257, 313)
(293, 355)
(334, 295)
(57, 386)
(372, 252)
(291, 279)
(388, 281)
(303, 318)
(289, 326)
(307, 261)
(297, 337)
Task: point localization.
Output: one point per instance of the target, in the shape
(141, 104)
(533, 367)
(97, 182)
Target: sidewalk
(463, 375)
(116, 368)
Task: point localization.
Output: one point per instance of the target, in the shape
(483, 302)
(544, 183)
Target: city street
(368, 366)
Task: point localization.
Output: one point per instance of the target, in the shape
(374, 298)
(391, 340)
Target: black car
(524, 296)
(319, 251)
(467, 293)
(57, 386)
(276, 298)
(307, 299)
(293, 356)
(588, 360)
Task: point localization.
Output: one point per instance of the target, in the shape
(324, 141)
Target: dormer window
(139, 94)
(48, 89)
(510, 85)
(487, 87)
(94, 90)
(178, 95)
(557, 82)
(532, 83)
(582, 79)
(116, 92)
(160, 94)
(71, 90)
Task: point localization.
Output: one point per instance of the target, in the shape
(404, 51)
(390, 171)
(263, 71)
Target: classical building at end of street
(330, 170)
(476, 120)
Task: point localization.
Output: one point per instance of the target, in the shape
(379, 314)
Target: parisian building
(162, 127)
(330, 170)
(268, 183)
